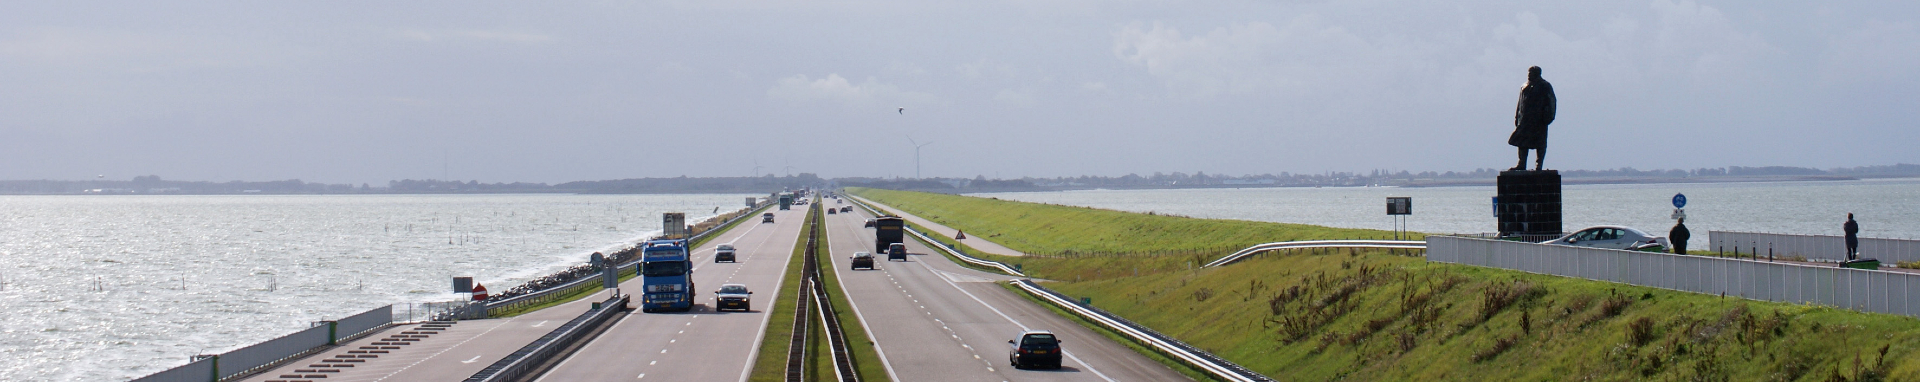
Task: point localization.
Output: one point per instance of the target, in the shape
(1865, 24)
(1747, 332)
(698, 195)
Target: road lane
(699, 345)
(935, 320)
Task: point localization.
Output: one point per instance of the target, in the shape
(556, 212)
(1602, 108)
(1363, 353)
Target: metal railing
(1306, 244)
(1856, 289)
(523, 362)
(1180, 351)
(1810, 247)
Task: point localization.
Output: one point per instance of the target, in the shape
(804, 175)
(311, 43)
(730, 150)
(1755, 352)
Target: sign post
(1679, 206)
(1399, 208)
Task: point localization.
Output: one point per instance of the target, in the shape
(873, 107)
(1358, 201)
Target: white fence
(1857, 289)
(1811, 247)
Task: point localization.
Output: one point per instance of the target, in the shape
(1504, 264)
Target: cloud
(472, 35)
(1244, 58)
(1021, 98)
(837, 89)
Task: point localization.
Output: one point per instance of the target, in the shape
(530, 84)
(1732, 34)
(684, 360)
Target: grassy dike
(1370, 315)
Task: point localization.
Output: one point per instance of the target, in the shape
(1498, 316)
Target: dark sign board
(1399, 205)
(463, 285)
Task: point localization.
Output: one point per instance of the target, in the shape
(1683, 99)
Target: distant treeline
(1376, 177)
(152, 184)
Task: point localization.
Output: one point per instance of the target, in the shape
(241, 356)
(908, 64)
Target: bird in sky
(903, 110)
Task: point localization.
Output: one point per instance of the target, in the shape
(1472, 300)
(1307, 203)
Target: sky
(497, 91)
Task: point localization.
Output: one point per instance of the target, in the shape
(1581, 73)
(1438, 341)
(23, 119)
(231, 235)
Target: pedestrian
(1853, 237)
(1679, 236)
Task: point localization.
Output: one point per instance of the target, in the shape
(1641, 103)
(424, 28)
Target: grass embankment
(1369, 315)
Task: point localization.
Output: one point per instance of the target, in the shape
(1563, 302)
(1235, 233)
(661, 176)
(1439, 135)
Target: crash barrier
(522, 363)
(1810, 247)
(267, 354)
(1384, 244)
(591, 280)
(1856, 289)
(1200, 359)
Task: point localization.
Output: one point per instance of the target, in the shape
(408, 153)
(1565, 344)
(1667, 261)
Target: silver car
(1612, 237)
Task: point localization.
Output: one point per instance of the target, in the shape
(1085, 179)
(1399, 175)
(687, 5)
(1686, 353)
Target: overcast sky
(335, 91)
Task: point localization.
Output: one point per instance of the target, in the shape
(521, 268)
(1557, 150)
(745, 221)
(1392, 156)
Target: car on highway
(869, 223)
(896, 251)
(831, 210)
(862, 260)
(766, 217)
(725, 252)
(733, 296)
(846, 209)
(1034, 348)
(1612, 237)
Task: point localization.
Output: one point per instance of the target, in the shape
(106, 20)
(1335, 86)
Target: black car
(830, 211)
(1034, 348)
(766, 217)
(897, 251)
(862, 260)
(869, 223)
(846, 209)
(733, 296)
(724, 253)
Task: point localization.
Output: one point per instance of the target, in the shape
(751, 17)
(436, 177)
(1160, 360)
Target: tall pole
(916, 155)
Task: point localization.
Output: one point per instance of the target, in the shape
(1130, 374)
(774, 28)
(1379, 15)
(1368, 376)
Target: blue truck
(666, 273)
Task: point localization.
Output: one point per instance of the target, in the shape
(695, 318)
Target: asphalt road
(934, 320)
(699, 345)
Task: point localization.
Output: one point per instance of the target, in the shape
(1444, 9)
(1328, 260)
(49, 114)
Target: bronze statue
(1530, 119)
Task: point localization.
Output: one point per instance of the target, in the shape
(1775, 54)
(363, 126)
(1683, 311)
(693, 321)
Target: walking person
(1853, 237)
(1679, 236)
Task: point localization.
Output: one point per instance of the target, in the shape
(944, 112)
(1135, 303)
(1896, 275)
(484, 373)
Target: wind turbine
(916, 155)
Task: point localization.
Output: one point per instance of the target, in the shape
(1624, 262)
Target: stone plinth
(1529, 203)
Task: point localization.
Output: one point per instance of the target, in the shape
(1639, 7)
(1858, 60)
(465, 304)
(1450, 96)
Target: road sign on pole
(1679, 200)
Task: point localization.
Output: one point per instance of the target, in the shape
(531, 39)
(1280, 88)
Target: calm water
(94, 284)
(1884, 208)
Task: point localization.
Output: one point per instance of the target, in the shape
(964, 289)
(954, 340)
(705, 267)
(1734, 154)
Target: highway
(700, 345)
(934, 320)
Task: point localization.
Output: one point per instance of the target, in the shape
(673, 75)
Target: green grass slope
(1371, 315)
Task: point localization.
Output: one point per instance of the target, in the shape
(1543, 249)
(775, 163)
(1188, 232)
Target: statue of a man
(1530, 119)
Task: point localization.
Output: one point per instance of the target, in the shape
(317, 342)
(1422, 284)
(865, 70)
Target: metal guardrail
(1811, 247)
(1201, 359)
(1856, 289)
(949, 250)
(522, 363)
(1384, 244)
(592, 281)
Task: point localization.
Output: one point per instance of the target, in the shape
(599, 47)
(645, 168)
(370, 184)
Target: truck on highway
(666, 276)
(888, 230)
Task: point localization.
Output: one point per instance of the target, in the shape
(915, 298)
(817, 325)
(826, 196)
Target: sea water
(1885, 208)
(117, 287)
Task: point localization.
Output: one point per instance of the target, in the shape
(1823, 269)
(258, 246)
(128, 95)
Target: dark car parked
(1034, 348)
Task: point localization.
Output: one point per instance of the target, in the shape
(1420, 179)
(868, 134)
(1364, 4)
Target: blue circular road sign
(1679, 200)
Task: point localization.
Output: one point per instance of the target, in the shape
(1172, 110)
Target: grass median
(1374, 315)
(770, 363)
